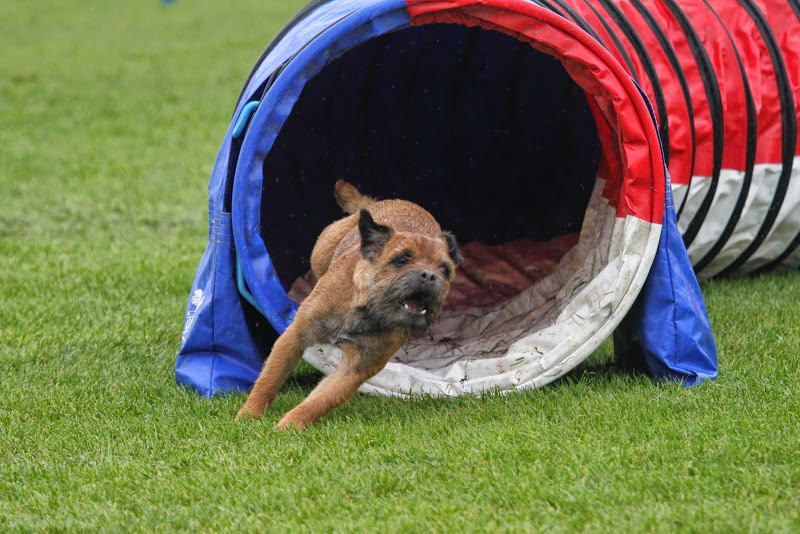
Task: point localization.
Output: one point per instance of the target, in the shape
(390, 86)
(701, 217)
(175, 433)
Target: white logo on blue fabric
(197, 300)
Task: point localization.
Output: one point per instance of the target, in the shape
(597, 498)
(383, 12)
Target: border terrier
(383, 274)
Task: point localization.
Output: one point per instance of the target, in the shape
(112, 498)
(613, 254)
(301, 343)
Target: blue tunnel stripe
(355, 28)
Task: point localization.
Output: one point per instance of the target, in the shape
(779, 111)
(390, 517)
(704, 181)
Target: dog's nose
(427, 277)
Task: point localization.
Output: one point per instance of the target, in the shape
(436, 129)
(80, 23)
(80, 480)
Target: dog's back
(340, 236)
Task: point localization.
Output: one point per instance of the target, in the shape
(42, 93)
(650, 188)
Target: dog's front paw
(248, 413)
(288, 423)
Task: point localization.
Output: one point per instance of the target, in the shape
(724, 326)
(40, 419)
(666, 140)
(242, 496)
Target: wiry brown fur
(360, 302)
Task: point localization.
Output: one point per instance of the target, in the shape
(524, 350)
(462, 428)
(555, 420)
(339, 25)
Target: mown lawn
(111, 114)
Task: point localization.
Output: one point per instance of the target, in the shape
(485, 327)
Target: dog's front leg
(336, 388)
(285, 354)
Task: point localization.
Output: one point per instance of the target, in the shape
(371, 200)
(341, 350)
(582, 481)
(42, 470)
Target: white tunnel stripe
(759, 198)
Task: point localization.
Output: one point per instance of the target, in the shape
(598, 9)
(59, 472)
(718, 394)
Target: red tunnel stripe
(785, 25)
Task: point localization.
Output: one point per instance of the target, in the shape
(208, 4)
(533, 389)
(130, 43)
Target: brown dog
(383, 275)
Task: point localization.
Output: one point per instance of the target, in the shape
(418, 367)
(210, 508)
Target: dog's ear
(373, 235)
(452, 248)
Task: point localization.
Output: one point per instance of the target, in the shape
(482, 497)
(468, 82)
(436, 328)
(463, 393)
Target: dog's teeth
(423, 312)
(406, 306)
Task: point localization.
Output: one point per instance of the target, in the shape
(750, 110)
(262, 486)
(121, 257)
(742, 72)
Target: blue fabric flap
(667, 330)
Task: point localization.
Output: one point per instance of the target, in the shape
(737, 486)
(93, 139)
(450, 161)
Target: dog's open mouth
(415, 304)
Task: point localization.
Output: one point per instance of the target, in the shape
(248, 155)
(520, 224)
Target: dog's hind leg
(336, 388)
(285, 354)
(327, 243)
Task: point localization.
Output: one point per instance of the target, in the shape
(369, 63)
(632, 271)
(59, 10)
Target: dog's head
(408, 274)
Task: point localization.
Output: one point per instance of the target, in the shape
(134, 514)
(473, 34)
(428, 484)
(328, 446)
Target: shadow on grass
(304, 377)
(602, 368)
(601, 372)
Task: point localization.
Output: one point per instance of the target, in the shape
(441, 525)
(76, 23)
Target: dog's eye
(446, 271)
(401, 260)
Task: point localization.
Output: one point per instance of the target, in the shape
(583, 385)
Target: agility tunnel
(527, 129)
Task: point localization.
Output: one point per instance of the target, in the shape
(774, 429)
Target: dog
(383, 274)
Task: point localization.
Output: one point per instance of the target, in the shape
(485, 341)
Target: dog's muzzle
(413, 301)
(420, 297)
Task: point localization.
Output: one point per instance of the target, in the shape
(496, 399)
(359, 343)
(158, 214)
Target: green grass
(111, 114)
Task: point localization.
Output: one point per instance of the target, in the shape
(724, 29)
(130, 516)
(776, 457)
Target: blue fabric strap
(667, 331)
